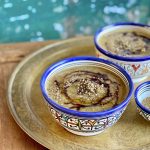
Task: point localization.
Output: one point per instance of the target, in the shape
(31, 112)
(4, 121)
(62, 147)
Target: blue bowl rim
(85, 114)
(137, 90)
(111, 55)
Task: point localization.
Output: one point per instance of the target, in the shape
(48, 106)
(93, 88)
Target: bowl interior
(142, 92)
(107, 68)
(110, 29)
(88, 61)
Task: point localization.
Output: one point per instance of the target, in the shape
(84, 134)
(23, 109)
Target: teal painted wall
(38, 20)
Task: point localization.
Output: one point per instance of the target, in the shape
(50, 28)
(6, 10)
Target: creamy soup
(146, 102)
(126, 43)
(86, 88)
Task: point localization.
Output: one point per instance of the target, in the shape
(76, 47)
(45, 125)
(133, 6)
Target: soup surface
(146, 102)
(126, 43)
(86, 88)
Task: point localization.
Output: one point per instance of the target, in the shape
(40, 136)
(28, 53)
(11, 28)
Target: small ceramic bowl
(138, 67)
(86, 123)
(142, 92)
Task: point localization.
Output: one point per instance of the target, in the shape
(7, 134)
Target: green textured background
(38, 20)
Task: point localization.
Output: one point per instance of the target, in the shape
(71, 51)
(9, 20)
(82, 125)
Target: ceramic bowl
(86, 123)
(142, 92)
(137, 67)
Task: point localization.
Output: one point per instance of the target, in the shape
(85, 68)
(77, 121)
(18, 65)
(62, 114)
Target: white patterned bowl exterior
(142, 92)
(137, 67)
(137, 70)
(85, 126)
(87, 123)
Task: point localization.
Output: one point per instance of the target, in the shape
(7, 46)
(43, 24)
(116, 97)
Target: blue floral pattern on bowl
(81, 126)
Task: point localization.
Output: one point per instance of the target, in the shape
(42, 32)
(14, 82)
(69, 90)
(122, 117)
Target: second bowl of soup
(128, 45)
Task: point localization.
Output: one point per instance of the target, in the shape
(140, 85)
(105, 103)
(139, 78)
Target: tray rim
(13, 75)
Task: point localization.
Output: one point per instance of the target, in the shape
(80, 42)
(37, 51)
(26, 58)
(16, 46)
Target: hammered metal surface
(32, 115)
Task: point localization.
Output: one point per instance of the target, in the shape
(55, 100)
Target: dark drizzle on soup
(127, 43)
(86, 88)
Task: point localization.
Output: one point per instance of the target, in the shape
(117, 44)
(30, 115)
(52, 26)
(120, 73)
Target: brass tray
(27, 107)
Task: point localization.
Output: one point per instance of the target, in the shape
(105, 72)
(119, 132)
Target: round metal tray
(27, 107)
